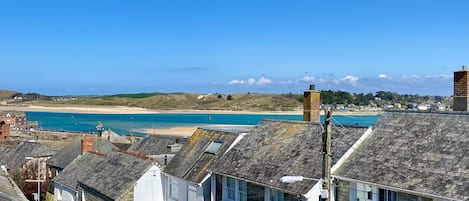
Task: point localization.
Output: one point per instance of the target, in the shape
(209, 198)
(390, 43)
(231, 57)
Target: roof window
(213, 147)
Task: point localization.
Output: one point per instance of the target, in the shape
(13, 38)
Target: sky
(81, 47)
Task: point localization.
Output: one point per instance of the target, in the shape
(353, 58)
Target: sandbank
(177, 131)
(96, 109)
(188, 130)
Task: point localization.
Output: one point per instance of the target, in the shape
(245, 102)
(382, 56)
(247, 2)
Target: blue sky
(107, 47)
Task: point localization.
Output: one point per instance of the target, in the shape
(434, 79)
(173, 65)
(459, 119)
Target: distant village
(409, 154)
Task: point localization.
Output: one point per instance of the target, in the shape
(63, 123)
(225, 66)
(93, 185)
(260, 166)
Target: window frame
(213, 147)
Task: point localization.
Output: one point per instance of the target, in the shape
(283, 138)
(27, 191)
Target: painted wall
(63, 193)
(150, 186)
(314, 193)
(184, 191)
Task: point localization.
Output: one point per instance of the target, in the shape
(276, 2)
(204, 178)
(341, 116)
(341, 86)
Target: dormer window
(213, 147)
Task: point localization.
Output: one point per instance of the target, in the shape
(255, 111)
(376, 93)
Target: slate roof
(153, 145)
(277, 148)
(14, 156)
(422, 152)
(67, 154)
(115, 138)
(110, 175)
(191, 162)
(7, 191)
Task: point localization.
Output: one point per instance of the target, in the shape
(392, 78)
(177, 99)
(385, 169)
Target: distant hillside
(233, 102)
(6, 94)
(182, 101)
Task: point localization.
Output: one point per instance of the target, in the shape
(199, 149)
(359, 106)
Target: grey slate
(422, 152)
(277, 148)
(191, 162)
(7, 191)
(109, 175)
(14, 156)
(153, 145)
(68, 153)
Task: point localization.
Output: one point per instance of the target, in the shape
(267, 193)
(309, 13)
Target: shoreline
(184, 131)
(94, 109)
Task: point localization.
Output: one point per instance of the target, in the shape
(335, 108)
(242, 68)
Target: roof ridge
(133, 153)
(292, 121)
(96, 153)
(222, 131)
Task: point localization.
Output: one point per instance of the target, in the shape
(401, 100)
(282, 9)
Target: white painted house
(114, 176)
(186, 177)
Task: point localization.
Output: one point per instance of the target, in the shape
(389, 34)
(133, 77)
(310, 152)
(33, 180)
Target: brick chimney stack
(461, 90)
(86, 144)
(4, 130)
(311, 105)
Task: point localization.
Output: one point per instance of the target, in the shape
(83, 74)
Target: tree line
(363, 99)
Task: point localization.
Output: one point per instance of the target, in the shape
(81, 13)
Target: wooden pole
(327, 155)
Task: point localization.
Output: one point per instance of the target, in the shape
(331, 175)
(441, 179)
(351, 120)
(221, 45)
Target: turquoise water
(133, 123)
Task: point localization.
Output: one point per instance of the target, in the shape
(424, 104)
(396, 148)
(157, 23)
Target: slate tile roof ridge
(425, 152)
(109, 174)
(192, 162)
(275, 148)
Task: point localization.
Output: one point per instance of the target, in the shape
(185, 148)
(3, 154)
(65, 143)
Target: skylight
(213, 147)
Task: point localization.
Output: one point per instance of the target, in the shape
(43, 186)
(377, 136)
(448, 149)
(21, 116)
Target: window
(243, 189)
(364, 191)
(218, 187)
(213, 147)
(173, 189)
(386, 195)
(276, 195)
(255, 192)
(231, 187)
(207, 187)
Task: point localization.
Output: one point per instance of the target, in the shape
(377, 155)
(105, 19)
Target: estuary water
(132, 123)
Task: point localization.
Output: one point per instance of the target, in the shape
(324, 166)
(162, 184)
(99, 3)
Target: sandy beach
(187, 130)
(177, 131)
(95, 109)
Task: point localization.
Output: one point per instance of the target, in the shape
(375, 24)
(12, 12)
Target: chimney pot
(464, 67)
(311, 87)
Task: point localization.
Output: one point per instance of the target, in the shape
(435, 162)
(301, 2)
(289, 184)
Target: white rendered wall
(314, 193)
(149, 187)
(185, 190)
(63, 192)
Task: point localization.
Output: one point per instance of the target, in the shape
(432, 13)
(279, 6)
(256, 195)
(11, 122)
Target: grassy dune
(184, 101)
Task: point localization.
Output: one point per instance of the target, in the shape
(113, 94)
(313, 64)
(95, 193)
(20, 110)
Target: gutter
(395, 188)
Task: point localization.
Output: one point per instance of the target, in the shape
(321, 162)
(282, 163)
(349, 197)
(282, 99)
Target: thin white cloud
(264, 81)
(308, 79)
(350, 79)
(251, 81)
(404, 84)
(236, 82)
